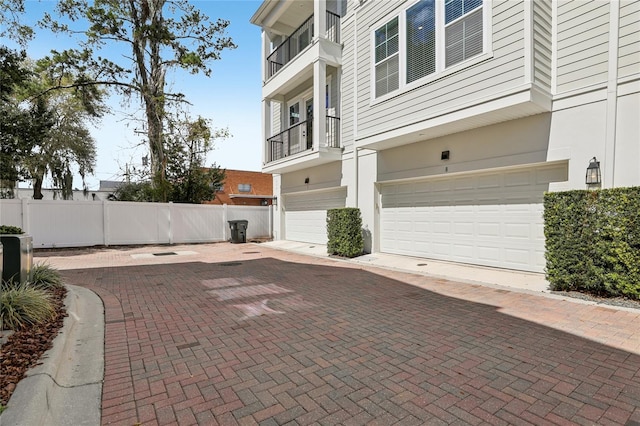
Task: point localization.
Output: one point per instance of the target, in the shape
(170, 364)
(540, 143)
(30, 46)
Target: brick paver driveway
(242, 334)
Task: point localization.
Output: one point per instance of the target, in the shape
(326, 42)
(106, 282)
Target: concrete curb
(66, 389)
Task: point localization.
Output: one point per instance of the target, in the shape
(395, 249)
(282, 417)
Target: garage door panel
(306, 214)
(518, 257)
(464, 251)
(463, 229)
(522, 231)
(492, 219)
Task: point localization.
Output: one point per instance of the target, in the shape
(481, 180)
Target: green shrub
(593, 241)
(8, 229)
(23, 305)
(344, 232)
(45, 277)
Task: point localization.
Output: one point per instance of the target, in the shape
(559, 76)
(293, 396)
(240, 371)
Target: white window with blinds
(421, 40)
(463, 30)
(387, 65)
(426, 38)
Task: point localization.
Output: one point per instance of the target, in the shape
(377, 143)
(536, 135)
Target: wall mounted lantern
(593, 173)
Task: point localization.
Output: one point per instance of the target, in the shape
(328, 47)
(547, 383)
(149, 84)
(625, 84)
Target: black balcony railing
(298, 41)
(299, 138)
(333, 132)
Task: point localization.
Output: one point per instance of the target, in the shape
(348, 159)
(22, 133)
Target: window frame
(389, 57)
(440, 69)
(242, 187)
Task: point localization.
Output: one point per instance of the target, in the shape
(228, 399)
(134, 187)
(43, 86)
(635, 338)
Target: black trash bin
(238, 230)
(17, 257)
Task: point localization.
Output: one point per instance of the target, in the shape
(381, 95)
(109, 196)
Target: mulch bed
(25, 347)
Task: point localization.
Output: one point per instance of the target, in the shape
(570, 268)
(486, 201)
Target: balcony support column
(266, 128)
(319, 107)
(320, 19)
(266, 50)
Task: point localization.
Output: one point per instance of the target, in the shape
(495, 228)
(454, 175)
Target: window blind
(421, 40)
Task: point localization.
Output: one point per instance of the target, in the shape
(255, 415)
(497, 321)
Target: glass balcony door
(309, 118)
(300, 123)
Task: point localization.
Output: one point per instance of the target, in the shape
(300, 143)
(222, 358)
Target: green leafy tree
(159, 36)
(10, 25)
(65, 141)
(44, 133)
(135, 191)
(68, 142)
(21, 126)
(188, 144)
(187, 179)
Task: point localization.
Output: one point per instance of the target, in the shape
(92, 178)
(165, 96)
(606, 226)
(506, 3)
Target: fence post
(224, 222)
(25, 216)
(105, 223)
(170, 222)
(271, 221)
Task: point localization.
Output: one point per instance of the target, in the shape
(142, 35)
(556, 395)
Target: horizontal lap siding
(583, 38)
(629, 48)
(542, 44)
(503, 72)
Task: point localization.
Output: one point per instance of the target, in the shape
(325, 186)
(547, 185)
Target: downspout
(608, 180)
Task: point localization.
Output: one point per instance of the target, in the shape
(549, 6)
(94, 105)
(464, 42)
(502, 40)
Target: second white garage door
(493, 219)
(306, 214)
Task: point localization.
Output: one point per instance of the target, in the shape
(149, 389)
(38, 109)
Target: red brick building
(245, 188)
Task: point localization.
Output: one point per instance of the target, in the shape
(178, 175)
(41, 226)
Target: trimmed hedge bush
(12, 230)
(593, 241)
(344, 232)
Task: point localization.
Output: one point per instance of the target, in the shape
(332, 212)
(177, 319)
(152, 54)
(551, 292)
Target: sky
(230, 97)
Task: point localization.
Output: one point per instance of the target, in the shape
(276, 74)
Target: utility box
(17, 257)
(238, 230)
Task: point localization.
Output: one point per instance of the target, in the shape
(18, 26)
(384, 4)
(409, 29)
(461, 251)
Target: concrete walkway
(434, 268)
(246, 334)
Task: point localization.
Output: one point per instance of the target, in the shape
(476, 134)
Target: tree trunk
(152, 77)
(37, 188)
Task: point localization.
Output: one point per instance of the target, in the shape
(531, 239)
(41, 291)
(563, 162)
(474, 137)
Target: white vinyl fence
(60, 223)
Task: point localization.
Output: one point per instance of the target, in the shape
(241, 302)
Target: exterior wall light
(593, 177)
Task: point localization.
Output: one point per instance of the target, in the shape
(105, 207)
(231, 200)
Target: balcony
(293, 149)
(298, 41)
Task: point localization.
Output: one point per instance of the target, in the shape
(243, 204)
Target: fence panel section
(137, 223)
(192, 223)
(258, 217)
(61, 223)
(11, 212)
(65, 223)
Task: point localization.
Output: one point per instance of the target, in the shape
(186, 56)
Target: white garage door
(306, 214)
(493, 219)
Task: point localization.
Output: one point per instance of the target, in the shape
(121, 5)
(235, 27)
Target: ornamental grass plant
(23, 305)
(43, 276)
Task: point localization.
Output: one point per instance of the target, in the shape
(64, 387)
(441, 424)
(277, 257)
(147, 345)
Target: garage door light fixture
(593, 177)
